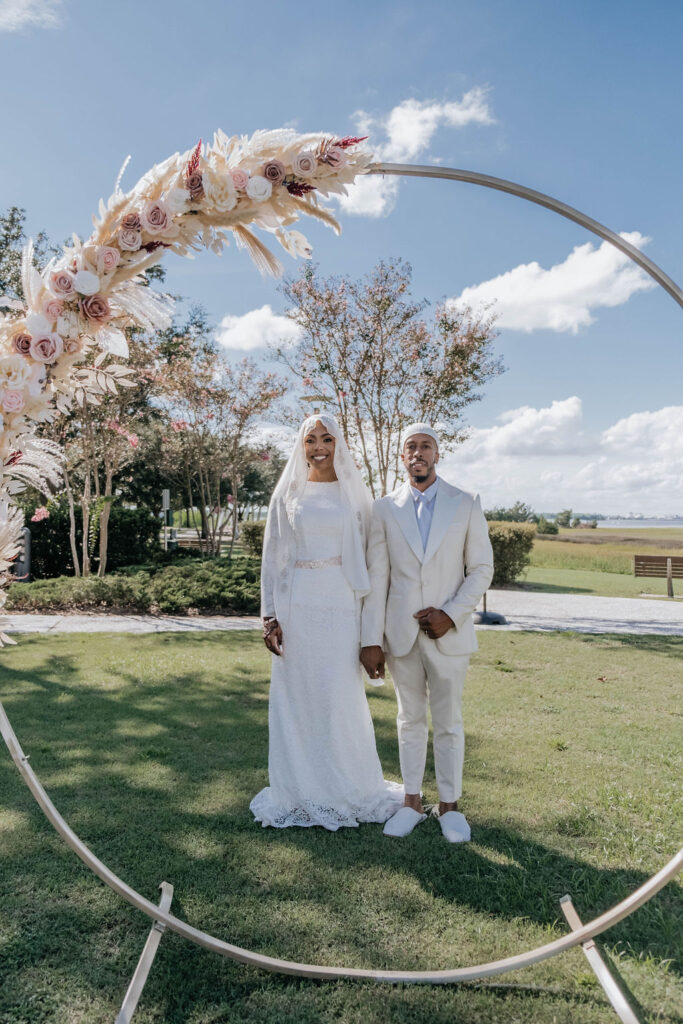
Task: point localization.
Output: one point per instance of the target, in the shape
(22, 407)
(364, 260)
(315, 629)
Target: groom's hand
(372, 660)
(434, 622)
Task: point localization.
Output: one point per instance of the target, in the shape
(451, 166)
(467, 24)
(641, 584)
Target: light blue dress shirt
(424, 509)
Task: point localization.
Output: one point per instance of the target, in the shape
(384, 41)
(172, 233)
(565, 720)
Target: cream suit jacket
(452, 573)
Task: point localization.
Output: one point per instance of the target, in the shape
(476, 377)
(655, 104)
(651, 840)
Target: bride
(322, 760)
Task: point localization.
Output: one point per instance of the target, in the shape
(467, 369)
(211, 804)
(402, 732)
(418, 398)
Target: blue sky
(579, 100)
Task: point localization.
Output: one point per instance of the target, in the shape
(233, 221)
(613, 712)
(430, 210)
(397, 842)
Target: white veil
(279, 544)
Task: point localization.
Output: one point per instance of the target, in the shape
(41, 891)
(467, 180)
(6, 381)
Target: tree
(211, 409)
(12, 241)
(564, 517)
(546, 526)
(517, 513)
(366, 353)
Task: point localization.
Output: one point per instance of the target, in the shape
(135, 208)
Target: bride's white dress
(322, 760)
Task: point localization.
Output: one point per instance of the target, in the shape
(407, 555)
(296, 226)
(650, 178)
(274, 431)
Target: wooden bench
(667, 567)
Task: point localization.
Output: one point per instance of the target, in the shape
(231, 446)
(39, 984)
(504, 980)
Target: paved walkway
(522, 609)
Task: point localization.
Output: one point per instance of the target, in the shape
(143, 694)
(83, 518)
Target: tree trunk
(235, 495)
(72, 524)
(104, 520)
(85, 505)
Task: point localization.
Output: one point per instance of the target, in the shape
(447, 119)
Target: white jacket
(452, 574)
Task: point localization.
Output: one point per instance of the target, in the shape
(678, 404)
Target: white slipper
(403, 822)
(454, 827)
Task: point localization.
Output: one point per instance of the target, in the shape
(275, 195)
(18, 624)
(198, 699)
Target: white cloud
(256, 329)
(530, 298)
(18, 14)
(547, 458)
(402, 135)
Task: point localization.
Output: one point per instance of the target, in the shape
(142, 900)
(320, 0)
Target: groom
(430, 561)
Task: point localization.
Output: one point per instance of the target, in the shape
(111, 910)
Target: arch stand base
(146, 960)
(602, 972)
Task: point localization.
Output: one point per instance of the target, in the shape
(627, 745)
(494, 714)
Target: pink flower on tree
(40, 513)
(133, 440)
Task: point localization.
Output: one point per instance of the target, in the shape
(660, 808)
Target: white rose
(219, 190)
(259, 188)
(86, 282)
(15, 371)
(176, 200)
(36, 323)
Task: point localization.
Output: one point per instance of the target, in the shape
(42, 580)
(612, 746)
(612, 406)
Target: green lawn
(585, 581)
(599, 562)
(151, 747)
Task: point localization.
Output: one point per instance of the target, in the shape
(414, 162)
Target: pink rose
(21, 343)
(52, 308)
(194, 183)
(154, 217)
(336, 158)
(47, 348)
(130, 239)
(62, 283)
(273, 171)
(72, 346)
(40, 513)
(13, 400)
(96, 308)
(107, 259)
(240, 178)
(304, 163)
(131, 222)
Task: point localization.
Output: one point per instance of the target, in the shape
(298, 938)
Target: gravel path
(522, 609)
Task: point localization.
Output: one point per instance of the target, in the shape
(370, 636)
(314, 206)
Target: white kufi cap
(418, 428)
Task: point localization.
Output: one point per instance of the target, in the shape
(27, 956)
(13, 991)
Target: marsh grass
(151, 747)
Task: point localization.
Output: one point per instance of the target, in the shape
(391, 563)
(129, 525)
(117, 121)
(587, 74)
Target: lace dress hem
(307, 813)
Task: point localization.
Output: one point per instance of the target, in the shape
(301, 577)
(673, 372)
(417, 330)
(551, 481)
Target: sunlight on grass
(571, 785)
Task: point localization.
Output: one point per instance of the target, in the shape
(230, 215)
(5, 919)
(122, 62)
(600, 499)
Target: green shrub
(208, 585)
(512, 544)
(252, 535)
(547, 526)
(133, 538)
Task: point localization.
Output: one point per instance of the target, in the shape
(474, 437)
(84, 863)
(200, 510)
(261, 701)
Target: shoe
(454, 827)
(403, 822)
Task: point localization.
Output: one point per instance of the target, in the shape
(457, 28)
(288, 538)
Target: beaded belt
(318, 563)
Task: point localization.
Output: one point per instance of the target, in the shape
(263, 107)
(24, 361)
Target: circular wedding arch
(574, 938)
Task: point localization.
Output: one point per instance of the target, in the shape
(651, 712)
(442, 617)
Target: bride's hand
(272, 636)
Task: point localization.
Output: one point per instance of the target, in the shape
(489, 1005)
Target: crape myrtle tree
(366, 353)
(211, 409)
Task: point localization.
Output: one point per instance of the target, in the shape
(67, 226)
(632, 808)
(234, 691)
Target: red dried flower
(349, 140)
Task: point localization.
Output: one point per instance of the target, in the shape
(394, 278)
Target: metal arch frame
(579, 935)
(541, 199)
(268, 963)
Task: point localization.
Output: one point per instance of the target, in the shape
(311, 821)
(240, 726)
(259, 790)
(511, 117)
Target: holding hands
(372, 660)
(272, 636)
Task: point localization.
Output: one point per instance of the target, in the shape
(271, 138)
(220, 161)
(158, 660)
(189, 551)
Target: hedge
(252, 535)
(133, 538)
(512, 544)
(208, 585)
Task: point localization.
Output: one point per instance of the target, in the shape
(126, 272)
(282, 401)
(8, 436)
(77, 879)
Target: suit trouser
(422, 676)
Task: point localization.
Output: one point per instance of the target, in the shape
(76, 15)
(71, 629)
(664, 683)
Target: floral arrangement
(56, 348)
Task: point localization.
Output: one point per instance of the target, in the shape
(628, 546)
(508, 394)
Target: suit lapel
(403, 508)
(445, 504)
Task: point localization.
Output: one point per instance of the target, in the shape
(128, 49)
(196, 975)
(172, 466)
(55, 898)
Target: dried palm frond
(36, 462)
(262, 257)
(149, 308)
